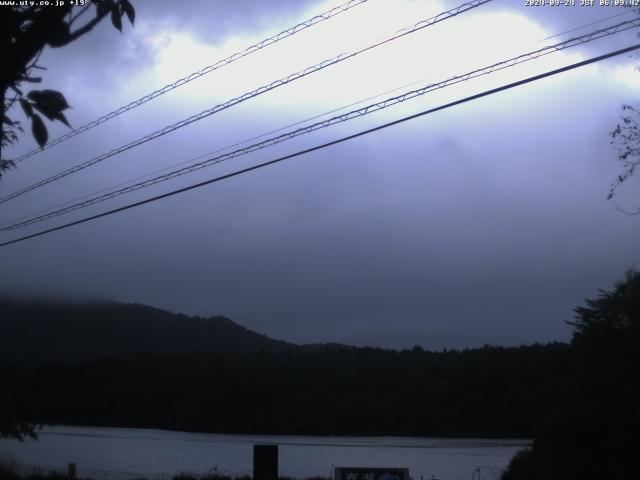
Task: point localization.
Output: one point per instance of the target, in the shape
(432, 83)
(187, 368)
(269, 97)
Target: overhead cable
(208, 154)
(265, 88)
(374, 107)
(587, 25)
(195, 75)
(328, 144)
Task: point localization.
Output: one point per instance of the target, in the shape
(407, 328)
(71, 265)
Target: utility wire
(328, 122)
(256, 137)
(587, 25)
(208, 154)
(328, 144)
(193, 76)
(265, 88)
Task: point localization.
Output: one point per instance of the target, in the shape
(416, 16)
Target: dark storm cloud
(483, 224)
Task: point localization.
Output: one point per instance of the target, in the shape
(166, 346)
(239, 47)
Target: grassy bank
(11, 471)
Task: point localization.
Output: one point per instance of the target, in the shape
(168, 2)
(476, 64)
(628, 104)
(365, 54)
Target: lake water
(127, 453)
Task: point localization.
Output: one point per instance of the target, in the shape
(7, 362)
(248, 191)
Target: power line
(205, 155)
(35, 218)
(193, 76)
(587, 25)
(247, 140)
(265, 88)
(331, 143)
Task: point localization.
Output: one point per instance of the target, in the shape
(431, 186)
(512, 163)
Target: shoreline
(521, 439)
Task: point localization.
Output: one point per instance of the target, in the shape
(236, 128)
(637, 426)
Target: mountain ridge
(45, 330)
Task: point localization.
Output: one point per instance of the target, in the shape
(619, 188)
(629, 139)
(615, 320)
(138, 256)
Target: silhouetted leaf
(46, 110)
(52, 100)
(128, 10)
(50, 103)
(58, 33)
(39, 130)
(26, 106)
(115, 19)
(60, 117)
(101, 7)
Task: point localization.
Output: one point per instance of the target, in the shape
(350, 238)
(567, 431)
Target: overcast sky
(484, 223)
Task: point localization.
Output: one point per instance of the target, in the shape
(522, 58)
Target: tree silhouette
(626, 138)
(24, 32)
(595, 432)
(15, 407)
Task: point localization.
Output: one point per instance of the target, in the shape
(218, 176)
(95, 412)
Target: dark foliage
(25, 30)
(133, 365)
(502, 392)
(15, 409)
(595, 432)
(8, 473)
(626, 138)
(41, 332)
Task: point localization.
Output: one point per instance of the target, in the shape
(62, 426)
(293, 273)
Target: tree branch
(79, 14)
(86, 28)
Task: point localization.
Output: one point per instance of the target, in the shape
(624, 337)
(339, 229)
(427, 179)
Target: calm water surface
(125, 453)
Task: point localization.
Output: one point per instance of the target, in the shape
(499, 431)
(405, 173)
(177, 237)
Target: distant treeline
(491, 391)
(131, 365)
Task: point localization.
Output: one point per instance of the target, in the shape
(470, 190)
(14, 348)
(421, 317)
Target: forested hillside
(50, 331)
(502, 392)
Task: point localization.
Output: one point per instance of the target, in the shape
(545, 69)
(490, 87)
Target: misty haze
(359, 240)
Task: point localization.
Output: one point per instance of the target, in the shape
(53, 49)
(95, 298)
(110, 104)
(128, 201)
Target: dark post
(71, 471)
(265, 462)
